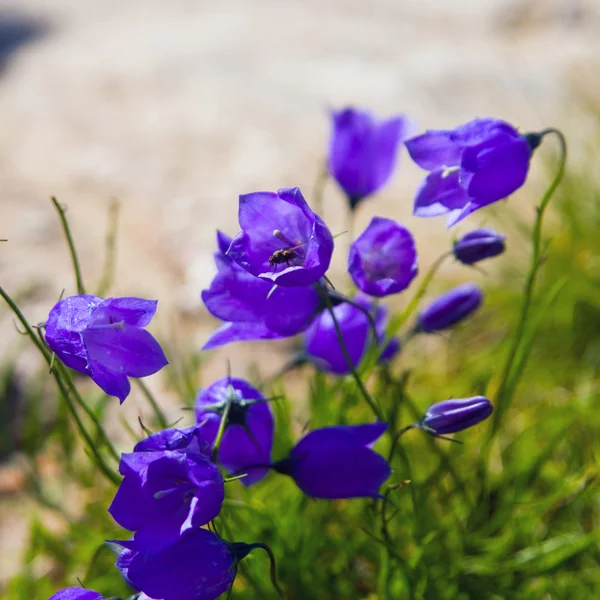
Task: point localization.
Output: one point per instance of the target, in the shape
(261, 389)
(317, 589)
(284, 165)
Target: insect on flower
(285, 255)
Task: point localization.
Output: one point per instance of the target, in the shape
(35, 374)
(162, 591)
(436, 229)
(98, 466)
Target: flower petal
(240, 332)
(433, 150)
(132, 311)
(438, 194)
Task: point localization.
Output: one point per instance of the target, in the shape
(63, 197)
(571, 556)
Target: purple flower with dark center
(451, 416)
(322, 345)
(248, 436)
(450, 308)
(282, 240)
(163, 494)
(337, 462)
(478, 245)
(197, 566)
(470, 167)
(105, 339)
(188, 439)
(383, 259)
(363, 152)
(251, 308)
(76, 593)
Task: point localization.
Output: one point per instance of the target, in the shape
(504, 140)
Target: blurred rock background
(174, 108)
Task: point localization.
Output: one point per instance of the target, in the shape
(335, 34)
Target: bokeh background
(174, 108)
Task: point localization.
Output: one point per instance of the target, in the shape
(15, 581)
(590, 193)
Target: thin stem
(273, 566)
(67, 230)
(338, 330)
(110, 474)
(341, 298)
(502, 398)
(111, 247)
(158, 413)
(396, 439)
(221, 430)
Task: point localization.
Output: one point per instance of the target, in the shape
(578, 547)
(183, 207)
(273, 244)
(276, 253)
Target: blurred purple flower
(363, 152)
(451, 416)
(478, 245)
(197, 566)
(337, 462)
(470, 167)
(105, 339)
(250, 307)
(282, 240)
(76, 593)
(188, 439)
(248, 436)
(165, 493)
(322, 345)
(383, 259)
(450, 308)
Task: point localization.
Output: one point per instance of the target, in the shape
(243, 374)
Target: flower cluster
(272, 283)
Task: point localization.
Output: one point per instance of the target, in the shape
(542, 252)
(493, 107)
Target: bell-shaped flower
(451, 416)
(163, 494)
(197, 566)
(250, 307)
(479, 244)
(321, 343)
(248, 437)
(105, 339)
(470, 167)
(383, 259)
(363, 152)
(450, 308)
(282, 240)
(76, 593)
(337, 462)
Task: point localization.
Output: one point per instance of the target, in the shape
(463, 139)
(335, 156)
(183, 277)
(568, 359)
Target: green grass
(515, 515)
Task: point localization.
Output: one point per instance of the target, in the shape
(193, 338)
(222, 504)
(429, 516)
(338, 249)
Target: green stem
(338, 330)
(221, 430)
(67, 230)
(502, 398)
(158, 413)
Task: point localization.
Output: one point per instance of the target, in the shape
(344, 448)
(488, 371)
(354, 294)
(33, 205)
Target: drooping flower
(470, 167)
(165, 493)
(322, 346)
(450, 308)
(188, 439)
(451, 416)
(248, 437)
(478, 245)
(250, 307)
(282, 240)
(76, 593)
(105, 339)
(363, 152)
(337, 462)
(197, 566)
(383, 259)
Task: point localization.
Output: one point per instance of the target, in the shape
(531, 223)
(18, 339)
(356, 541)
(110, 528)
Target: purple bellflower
(250, 307)
(76, 593)
(451, 416)
(337, 462)
(165, 493)
(383, 259)
(450, 308)
(105, 339)
(197, 566)
(248, 436)
(322, 346)
(479, 244)
(470, 167)
(282, 240)
(363, 152)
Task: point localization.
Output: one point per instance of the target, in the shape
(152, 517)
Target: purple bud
(479, 244)
(451, 416)
(76, 593)
(450, 308)
(383, 259)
